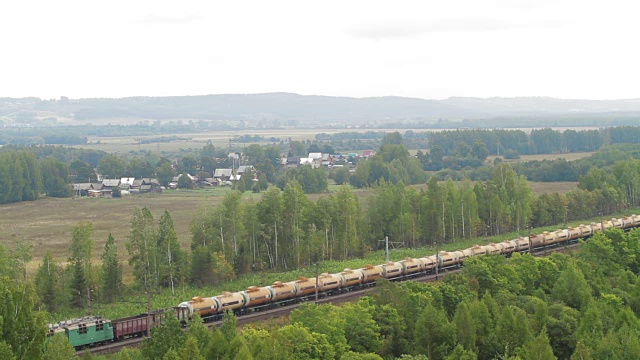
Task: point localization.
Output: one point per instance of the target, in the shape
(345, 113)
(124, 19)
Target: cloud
(404, 30)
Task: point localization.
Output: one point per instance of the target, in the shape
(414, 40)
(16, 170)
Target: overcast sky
(426, 49)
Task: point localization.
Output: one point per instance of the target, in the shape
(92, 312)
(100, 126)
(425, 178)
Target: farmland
(46, 223)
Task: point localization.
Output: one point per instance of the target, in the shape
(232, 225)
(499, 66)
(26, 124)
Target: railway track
(280, 311)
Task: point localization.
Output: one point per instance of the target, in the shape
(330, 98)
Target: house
(150, 188)
(110, 183)
(223, 174)
(327, 159)
(244, 168)
(311, 162)
(315, 156)
(212, 181)
(293, 161)
(126, 183)
(83, 188)
(368, 153)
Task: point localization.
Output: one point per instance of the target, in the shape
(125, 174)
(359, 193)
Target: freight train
(90, 331)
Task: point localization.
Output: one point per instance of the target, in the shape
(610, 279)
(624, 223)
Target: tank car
(283, 291)
(231, 301)
(430, 263)
(574, 233)
(597, 227)
(493, 249)
(508, 246)
(562, 236)
(371, 272)
(447, 259)
(606, 225)
(627, 222)
(204, 307)
(411, 266)
(352, 277)
(392, 270)
(617, 223)
(330, 282)
(256, 296)
(548, 238)
(585, 230)
(536, 241)
(522, 244)
(305, 286)
(476, 250)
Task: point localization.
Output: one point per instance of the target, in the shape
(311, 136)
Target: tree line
(580, 306)
(25, 178)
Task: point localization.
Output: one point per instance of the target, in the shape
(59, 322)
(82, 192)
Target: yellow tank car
(305, 286)
(352, 277)
(411, 266)
(447, 259)
(522, 243)
(231, 301)
(201, 306)
(371, 272)
(327, 282)
(283, 291)
(257, 296)
(429, 262)
(392, 270)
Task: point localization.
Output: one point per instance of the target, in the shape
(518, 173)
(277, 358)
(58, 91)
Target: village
(108, 188)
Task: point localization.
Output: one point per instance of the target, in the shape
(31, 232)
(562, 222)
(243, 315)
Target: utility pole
(88, 301)
(386, 248)
(148, 313)
(316, 283)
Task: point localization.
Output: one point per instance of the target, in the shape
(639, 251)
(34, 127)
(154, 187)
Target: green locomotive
(84, 331)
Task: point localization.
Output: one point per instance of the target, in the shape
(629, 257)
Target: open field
(46, 223)
(124, 144)
(540, 157)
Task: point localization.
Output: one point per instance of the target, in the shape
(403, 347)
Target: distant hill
(497, 106)
(293, 109)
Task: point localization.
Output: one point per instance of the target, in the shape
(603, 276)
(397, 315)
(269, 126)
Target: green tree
(306, 344)
(164, 337)
(80, 260)
(465, 327)
(323, 319)
(434, 335)
(341, 175)
(460, 353)
(538, 349)
(111, 271)
(184, 182)
(171, 259)
(23, 329)
(191, 350)
(81, 171)
(361, 330)
(111, 167)
(48, 282)
(59, 348)
(571, 288)
(142, 247)
(165, 172)
(54, 178)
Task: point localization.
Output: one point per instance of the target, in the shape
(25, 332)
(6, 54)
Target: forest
(580, 305)
(576, 306)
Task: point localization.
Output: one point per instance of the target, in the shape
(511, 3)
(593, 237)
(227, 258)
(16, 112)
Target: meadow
(46, 223)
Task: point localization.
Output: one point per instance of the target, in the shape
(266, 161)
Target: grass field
(47, 223)
(540, 157)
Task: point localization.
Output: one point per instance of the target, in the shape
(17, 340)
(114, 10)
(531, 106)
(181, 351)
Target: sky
(424, 49)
